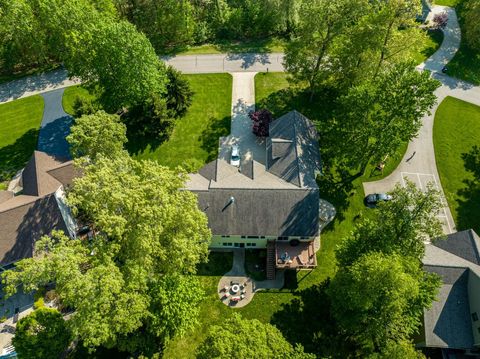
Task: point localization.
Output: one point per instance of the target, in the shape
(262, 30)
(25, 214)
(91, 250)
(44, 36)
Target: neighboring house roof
(34, 213)
(448, 322)
(280, 199)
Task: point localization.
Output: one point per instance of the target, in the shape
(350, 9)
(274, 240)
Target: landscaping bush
(261, 122)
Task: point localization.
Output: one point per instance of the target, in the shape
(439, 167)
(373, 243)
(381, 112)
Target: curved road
(418, 164)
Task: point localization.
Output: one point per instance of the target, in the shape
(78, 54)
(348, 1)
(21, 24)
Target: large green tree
(380, 298)
(399, 226)
(472, 25)
(43, 334)
(133, 276)
(119, 61)
(376, 117)
(322, 23)
(244, 339)
(99, 133)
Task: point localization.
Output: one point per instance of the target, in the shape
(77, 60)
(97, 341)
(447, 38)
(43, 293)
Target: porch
(300, 255)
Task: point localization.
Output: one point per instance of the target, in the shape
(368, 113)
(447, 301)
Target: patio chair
(226, 288)
(242, 296)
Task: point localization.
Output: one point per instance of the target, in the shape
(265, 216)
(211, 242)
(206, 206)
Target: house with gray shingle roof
(272, 203)
(452, 323)
(34, 207)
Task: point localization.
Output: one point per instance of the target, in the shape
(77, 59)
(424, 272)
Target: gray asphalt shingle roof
(448, 323)
(280, 199)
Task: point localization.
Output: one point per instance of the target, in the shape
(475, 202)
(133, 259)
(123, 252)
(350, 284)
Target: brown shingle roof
(25, 218)
(21, 226)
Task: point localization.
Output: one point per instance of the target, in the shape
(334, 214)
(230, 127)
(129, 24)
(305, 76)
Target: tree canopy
(242, 339)
(472, 25)
(42, 334)
(381, 297)
(398, 226)
(133, 275)
(99, 133)
(376, 117)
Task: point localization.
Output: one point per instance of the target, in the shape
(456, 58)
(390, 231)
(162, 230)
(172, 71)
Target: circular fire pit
(235, 288)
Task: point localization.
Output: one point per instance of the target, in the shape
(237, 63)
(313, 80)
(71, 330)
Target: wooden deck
(301, 256)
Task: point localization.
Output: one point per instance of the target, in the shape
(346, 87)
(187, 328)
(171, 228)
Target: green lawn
(19, 123)
(455, 133)
(285, 308)
(194, 140)
(466, 63)
(70, 94)
(433, 40)
(263, 46)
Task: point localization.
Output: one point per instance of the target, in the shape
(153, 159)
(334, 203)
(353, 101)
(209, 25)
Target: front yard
(19, 123)
(456, 134)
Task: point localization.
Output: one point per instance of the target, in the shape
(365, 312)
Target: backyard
(456, 136)
(291, 309)
(20, 122)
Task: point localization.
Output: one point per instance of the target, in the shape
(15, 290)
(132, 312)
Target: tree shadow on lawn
(209, 137)
(15, 156)
(218, 264)
(336, 182)
(308, 320)
(469, 197)
(138, 141)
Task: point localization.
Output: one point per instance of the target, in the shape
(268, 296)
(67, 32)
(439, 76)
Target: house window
(478, 329)
(225, 236)
(226, 244)
(236, 244)
(282, 238)
(251, 244)
(304, 237)
(252, 236)
(262, 236)
(474, 316)
(244, 237)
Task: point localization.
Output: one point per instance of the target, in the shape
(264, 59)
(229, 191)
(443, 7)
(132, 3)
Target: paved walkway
(55, 126)
(189, 64)
(243, 102)
(237, 275)
(418, 164)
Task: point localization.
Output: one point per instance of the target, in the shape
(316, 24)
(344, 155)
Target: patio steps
(270, 260)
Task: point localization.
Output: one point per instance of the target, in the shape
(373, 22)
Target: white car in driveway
(235, 159)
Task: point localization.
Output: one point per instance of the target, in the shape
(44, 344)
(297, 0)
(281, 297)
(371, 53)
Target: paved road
(55, 126)
(189, 64)
(418, 164)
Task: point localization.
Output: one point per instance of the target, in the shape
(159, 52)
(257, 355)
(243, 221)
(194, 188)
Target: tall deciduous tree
(380, 298)
(378, 116)
(472, 25)
(99, 133)
(400, 226)
(42, 334)
(322, 22)
(244, 339)
(120, 60)
(133, 275)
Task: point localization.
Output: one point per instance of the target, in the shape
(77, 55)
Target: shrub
(85, 106)
(261, 122)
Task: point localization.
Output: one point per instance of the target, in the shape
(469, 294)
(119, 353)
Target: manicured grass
(466, 63)
(433, 40)
(286, 307)
(258, 46)
(451, 3)
(455, 133)
(70, 95)
(194, 140)
(19, 123)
